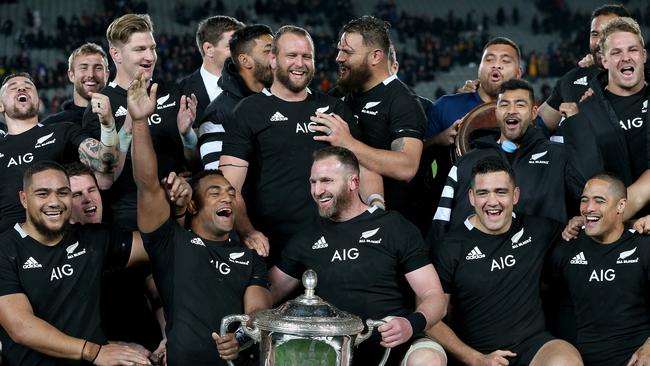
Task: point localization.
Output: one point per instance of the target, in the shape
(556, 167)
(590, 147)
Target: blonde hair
(119, 31)
(623, 24)
(87, 49)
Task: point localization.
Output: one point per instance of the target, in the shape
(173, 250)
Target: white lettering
(507, 261)
(345, 254)
(223, 268)
(154, 119)
(602, 275)
(634, 123)
(65, 270)
(27, 158)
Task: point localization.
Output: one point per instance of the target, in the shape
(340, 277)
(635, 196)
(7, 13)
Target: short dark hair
(506, 41)
(243, 40)
(196, 178)
(15, 75)
(289, 29)
(343, 155)
(517, 84)
(491, 164)
(373, 31)
(77, 169)
(609, 9)
(41, 166)
(623, 24)
(616, 185)
(212, 29)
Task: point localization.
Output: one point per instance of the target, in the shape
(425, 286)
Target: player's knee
(426, 357)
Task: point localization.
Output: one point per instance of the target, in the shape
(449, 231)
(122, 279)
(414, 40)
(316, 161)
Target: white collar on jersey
(267, 92)
(19, 229)
(389, 79)
(469, 225)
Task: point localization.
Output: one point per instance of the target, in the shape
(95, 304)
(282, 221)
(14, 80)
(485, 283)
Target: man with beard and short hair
(245, 73)
(232, 279)
(50, 275)
(606, 272)
(612, 123)
(133, 50)
(501, 62)
(546, 171)
(269, 142)
(348, 244)
(571, 87)
(490, 269)
(29, 142)
(390, 115)
(212, 39)
(88, 73)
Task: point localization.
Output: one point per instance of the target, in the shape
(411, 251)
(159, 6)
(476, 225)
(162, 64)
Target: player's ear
(23, 199)
(620, 207)
(192, 207)
(515, 199)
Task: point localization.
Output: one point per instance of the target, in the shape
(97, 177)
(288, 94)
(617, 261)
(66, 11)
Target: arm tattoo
(96, 156)
(397, 144)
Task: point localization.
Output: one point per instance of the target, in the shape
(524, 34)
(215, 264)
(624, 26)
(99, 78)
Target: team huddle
(142, 214)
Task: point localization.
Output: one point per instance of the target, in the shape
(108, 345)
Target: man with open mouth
(612, 123)
(202, 274)
(88, 73)
(606, 272)
(490, 269)
(546, 172)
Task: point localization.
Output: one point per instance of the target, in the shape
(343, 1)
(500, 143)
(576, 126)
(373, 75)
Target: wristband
(108, 137)
(190, 140)
(125, 139)
(418, 322)
(376, 200)
(96, 354)
(90, 351)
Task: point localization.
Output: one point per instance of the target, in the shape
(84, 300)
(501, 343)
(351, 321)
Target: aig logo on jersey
(222, 267)
(623, 257)
(20, 160)
(536, 158)
(233, 257)
(71, 248)
(45, 140)
(368, 237)
(515, 239)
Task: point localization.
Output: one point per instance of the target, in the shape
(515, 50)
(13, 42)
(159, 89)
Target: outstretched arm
(153, 209)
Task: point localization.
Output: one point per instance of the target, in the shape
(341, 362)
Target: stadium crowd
(171, 191)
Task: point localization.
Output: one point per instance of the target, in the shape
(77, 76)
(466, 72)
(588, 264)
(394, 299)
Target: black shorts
(527, 349)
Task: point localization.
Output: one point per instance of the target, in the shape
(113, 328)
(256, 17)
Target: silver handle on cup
(254, 333)
(371, 324)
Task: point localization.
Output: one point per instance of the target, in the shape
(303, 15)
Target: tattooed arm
(100, 158)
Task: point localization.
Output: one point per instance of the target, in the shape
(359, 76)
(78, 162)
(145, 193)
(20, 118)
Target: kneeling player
(606, 271)
(491, 269)
(363, 257)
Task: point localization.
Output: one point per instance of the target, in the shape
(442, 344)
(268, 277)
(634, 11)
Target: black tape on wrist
(418, 322)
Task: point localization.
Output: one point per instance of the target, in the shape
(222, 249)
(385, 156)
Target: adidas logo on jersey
(579, 259)
(197, 241)
(45, 140)
(233, 257)
(534, 159)
(474, 254)
(623, 257)
(278, 117)
(320, 243)
(121, 111)
(367, 235)
(366, 108)
(31, 263)
(581, 81)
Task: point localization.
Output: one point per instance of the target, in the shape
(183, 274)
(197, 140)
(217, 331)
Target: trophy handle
(254, 333)
(372, 324)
